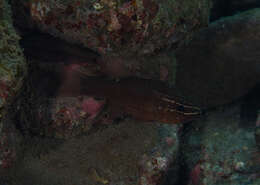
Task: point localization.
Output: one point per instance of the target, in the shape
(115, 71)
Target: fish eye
(180, 108)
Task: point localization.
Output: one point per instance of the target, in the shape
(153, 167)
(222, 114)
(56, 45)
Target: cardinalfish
(137, 99)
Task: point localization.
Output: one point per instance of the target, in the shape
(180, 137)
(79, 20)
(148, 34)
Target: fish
(139, 99)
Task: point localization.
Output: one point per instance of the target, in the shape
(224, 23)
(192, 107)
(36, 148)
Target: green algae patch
(12, 73)
(12, 62)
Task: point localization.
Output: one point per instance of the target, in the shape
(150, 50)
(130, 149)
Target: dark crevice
(250, 108)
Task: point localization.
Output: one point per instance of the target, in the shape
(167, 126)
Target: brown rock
(221, 63)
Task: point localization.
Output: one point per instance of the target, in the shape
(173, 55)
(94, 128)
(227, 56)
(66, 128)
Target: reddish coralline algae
(69, 116)
(119, 27)
(8, 150)
(153, 166)
(4, 91)
(7, 156)
(195, 175)
(92, 107)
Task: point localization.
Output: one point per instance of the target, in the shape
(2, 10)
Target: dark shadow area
(223, 8)
(179, 168)
(48, 49)
(39, 86)
(250, 108)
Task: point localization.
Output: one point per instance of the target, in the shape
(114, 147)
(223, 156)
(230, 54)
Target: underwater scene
(129, 92)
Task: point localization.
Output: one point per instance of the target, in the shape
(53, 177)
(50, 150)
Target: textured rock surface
(221, 63)
(12, 73)
(127, 34)
(221, 149)
(67, 116)
(127, 153)
(118, 27)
